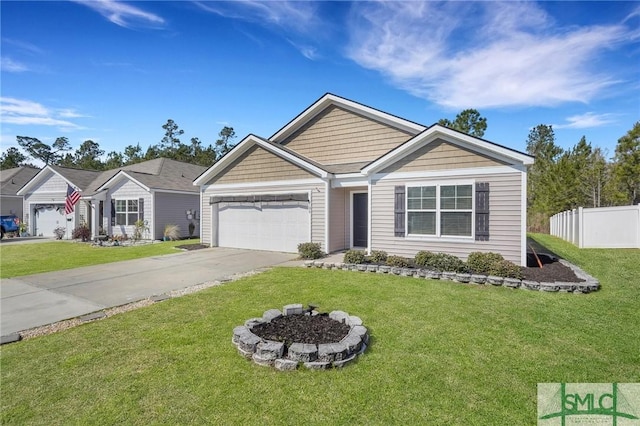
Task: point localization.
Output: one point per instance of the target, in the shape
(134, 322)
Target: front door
(360, 220)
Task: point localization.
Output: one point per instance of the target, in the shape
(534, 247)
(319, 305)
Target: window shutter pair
(482, 211)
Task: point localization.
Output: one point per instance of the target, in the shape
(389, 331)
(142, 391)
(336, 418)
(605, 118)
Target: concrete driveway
(41, 299)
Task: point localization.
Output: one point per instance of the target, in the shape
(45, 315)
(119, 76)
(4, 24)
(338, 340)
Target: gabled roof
(77, 178)
(11, 180)
(274, 148)
(160, 174)
(422, 135)
(329, 99)
(157, 174)
(437, 131)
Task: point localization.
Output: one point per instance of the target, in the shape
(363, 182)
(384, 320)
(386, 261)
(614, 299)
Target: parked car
(9, 223)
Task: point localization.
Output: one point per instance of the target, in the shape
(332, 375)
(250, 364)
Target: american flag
(73, 196)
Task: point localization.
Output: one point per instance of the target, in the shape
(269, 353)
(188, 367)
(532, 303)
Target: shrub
(354, 256)
(172, 232)
(59, 232)
(378, 256)
(423, 258)
(81, 232)
(447, 262)
(398, 261)
(310, 251)
(141, 228)
(482, 263)
(507, 269)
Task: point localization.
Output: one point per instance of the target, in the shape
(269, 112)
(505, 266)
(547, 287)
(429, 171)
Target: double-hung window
(126, 212)
(440, 210)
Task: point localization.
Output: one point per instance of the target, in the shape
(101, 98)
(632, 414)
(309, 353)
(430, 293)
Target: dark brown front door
(360, 220)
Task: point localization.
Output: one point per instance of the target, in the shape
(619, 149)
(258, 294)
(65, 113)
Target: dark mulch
(192, 246)
(302, 328)
(551, 270)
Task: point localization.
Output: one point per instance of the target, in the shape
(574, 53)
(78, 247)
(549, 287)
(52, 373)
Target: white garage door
(264, 226)
(48, 218)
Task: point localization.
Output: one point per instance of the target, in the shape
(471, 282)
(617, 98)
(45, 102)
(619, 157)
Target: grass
(441, 353)
(25, 259)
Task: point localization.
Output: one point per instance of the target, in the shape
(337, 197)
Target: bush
(398, 261)
(507, 269)
(354, 256)
(447, 262)
(81, 232)
(310, 251)
(378, 256)
(482, 263)
(423, 258)
(171, 232)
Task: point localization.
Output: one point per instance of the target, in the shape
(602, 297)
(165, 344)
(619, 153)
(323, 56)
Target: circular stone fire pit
(285, 339)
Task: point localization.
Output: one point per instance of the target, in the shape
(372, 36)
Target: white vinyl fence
(603, 227)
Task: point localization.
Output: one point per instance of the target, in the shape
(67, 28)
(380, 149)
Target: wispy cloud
(295, 19)
(25, 112)
(586, 121)
(481, 54)
(123, 14)
(9, 65)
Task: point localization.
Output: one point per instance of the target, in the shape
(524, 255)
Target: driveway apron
(41, 299)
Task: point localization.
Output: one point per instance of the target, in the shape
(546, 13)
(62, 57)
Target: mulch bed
(302, 328)
(190, 247)
(551, 270)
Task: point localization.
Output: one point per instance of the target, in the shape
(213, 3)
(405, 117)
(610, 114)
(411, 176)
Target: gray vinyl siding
(128, 190)
(171, 209)
(317, 191)
(339, 136)
(505, 222)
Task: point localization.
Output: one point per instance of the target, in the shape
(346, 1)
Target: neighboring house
(11, 180)
(345, 175)
(159, 191)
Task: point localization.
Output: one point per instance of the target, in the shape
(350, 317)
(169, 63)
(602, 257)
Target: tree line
(581, 176)
(559, 179)
(89, 155)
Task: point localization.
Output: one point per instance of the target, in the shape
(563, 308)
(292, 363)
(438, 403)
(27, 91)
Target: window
(126, 212)
(440, 210)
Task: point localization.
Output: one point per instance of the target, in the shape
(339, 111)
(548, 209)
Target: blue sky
(114, 72)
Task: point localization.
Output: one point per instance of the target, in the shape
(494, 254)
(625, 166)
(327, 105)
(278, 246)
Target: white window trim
(438, 210)
(127, 212)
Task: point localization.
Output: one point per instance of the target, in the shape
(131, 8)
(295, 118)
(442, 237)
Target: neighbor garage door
(275, 226)
(48, 218)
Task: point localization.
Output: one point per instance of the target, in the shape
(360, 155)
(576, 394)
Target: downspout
(523, 221)
(327, 186)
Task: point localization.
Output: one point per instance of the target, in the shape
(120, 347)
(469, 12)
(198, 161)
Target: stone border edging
(590, 283)
(269, 353)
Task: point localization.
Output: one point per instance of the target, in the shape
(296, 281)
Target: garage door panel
(276, 227)
(49, 218)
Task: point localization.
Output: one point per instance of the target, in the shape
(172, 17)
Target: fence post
(580, 227)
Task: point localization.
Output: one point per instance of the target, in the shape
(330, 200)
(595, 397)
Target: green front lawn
(441, 353)
(24, 259)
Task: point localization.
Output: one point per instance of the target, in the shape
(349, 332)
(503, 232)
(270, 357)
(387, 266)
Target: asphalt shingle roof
(11, 180)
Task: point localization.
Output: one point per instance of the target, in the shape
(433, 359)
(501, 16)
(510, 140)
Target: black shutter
(113, 212)
(482, 211)
(141, 208)
(399, 212)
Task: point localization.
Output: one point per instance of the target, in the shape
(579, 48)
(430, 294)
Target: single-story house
(159, 191)
(11, 180)
(346, 175)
